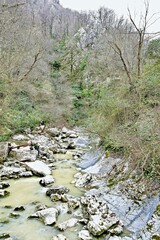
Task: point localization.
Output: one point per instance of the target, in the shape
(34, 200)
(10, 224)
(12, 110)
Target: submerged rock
(59, 237)
(48, 216)
(39, 168)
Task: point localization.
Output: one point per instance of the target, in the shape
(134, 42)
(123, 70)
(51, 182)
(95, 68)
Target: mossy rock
(4, 220)
(14, 215)
(157, 212)
(4, 235)
(155, 237)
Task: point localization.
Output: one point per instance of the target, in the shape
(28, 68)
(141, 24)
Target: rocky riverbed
(56, 184)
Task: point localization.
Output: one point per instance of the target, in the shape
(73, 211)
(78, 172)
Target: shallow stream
(27, 192)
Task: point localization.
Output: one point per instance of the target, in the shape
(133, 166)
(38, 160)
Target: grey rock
(90, 158)
(38, 168)
(83, 180)
(4, 185)
(26, 174)
(57, 189)
(4, 193)
(20, 137)
(101, 219)
(68, 224)
(53, 132)
(24, 154)
(55, 197)
(48, 216)
(46, 180)
(3, 151)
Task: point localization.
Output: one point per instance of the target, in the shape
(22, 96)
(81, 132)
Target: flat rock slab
(90, 158)
(38, 168)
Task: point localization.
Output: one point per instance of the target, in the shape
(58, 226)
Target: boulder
(53, 132)
(48, 216)
(67, 224)
(46, 180)
(25, 153)
(38, 168)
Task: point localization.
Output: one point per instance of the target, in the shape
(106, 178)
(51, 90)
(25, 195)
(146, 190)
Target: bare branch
(31, 67)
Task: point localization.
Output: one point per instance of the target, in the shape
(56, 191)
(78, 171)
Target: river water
(27, 192)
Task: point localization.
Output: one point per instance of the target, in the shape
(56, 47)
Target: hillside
(89, 69)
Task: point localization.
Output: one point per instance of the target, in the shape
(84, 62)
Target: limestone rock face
(48, 216)
(101, 219)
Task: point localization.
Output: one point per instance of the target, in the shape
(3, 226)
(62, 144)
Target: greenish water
(26, 192)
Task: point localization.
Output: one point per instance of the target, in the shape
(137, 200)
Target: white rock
(48, 216)
(84, 235)
(68, 224)
(20, 137)
(38, 168)
(46, 180)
